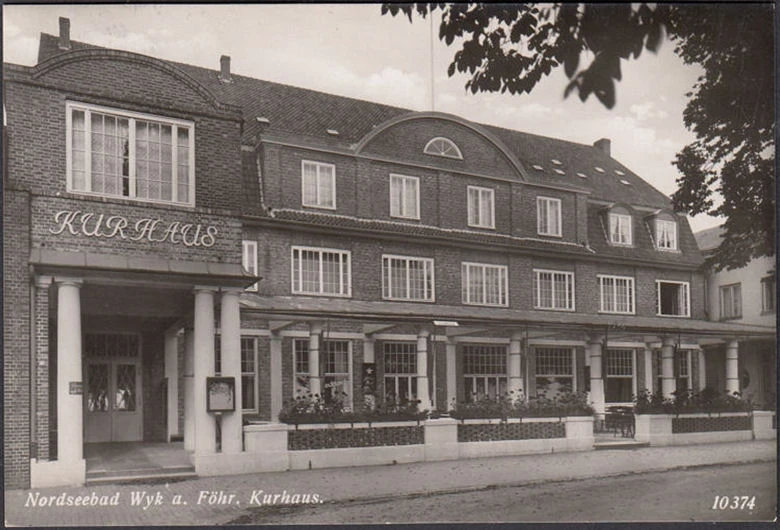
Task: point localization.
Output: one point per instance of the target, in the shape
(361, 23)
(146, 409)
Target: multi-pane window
(249, 374)
(620, 229)
(124, 154)
(249, 260)
(616, 294)
(336, 373)
(400, 364)
(484, 371)
(768, 294)
(731, 301)
(440, 146)
(484, 284)
(553, 290)
(548, 216)
(320, 271)
(554, 371)
(480, 207)
(407, 278)
(301, 374)
(318, 184)
(404, 196)
(665, 234)
(619, 372)
(672, 298)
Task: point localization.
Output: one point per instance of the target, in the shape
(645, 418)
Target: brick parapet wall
(722, 423)
(489, 432)
(331, 438)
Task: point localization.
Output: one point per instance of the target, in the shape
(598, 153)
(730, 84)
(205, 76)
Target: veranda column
(452, 374)
(369, 357)
(315, 376)
(205, 426)
(732, 367)
(514, 369)
(668, 383)
(41, 389)
(70, 414)
(230, 344)
(596, 380)
(423, 395)
(172, 375)
(275, 346)
(648, 360)
(702, 370)
(189, 390)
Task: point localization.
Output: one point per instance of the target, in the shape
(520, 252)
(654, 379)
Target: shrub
(503, 407)
(708, 400)
(314, 409)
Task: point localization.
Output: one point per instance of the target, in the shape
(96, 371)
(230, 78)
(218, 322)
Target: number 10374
(734, 502)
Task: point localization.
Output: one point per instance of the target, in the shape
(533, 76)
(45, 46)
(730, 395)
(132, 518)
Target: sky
(352, 50)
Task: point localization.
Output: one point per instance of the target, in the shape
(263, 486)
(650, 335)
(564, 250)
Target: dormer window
(620, 229)
(665, 234)
(441, 146)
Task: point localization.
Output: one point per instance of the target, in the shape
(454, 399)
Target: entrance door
(113, 407)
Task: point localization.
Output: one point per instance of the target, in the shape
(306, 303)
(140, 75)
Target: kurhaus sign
(149, 229)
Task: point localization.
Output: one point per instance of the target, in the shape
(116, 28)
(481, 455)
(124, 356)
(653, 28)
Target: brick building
(166, 223)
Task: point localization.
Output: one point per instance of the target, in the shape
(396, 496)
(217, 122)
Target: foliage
(708, 400)
(314, 409)
(510, 47)
(506, 406)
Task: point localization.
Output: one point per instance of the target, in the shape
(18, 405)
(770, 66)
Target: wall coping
(699, 415)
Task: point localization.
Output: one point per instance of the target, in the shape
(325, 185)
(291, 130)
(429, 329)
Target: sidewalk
(359, 483)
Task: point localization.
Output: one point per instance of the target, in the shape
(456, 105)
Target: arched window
(441, 146)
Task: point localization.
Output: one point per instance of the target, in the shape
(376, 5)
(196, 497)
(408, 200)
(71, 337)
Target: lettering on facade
(149, 229)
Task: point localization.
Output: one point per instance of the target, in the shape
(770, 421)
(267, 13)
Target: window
(548, 216)
(116, 153)
(301, 385)
(480, 207)
(553, 290)
(619, 372)
(400, 372)
(407, 278)
(249, 260)
(404, 197)
(682, 370)
(318, 185)
(249, 374)
(617, 294)
(554, 371)
(320, 271)
(336, 374)
(665, 234)
(620, 229)
(731, 301)
(440, 146)
(768, 294)
(484, 372)
(484, 284)
(672, 298)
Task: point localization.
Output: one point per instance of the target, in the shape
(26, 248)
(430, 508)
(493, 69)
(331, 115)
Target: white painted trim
(480, 190)
(458, 156)
(618, 217)
(249, 260)
(537, 290)
(549, 200)
(403, 180)
(599, 277)
(687, 298)
(429, 267)
(465, 276)
(318, 165)
(347, 273)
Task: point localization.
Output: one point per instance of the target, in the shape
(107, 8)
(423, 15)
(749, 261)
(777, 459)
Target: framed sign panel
(220, 394)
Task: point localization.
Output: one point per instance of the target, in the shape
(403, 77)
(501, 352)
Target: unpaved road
(678, 495)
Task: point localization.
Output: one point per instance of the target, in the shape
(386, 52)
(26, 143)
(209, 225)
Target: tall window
(249, 374)
(620, 232)
(484, 284)
(731, 301)
(617, 294)
(440, 146)
(336, 370)
(400, 363)
(768, 294)
(554, 371)
(116, 153)
(320, 271)
(665, 234)
(404, 197)
(319, 185)
(553, 290)
(249, 260)
(484, 371)
(548, 216)
(672, 298)
(407, 278)
(619, 372)
(480, 207)
(301, 373)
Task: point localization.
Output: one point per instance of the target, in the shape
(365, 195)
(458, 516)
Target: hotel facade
(166, 223)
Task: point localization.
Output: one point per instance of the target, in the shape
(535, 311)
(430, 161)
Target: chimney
(64, 43)
(224, 69)
(604, 145)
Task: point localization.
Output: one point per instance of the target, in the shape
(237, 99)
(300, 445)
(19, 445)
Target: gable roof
(710, 238)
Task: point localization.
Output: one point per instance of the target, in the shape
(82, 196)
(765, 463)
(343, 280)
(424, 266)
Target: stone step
(619, 444)
(140, 475)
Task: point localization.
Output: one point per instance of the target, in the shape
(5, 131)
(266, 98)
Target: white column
(172, 375)
(648, 360)
(230, 345)
(452, 374)
(189, 390)
(596, 380)
(203, 367)
(276, 375)
(315, 376)
(702, 370)
(369, 357)
(423, 395)
(514, 366)
(70, 413)
(668, 382)
(732, 367)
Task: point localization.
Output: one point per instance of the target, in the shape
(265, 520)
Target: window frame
(387, 287)
(470, 378)
(558, 219)
(600, 278)
(466, 276)
(768, 285)
(396, 376)
(731, 287)
(675, 236)
(679, 355)
(619, 220)
(687, 286)
(404, 180)
(570, 289)
(254, 374)
(345, 276)
(457, 156)
(633, 375)
(131, 116)
(474, 218)
(295, 373)
(573, 375)
(249, 260)
(318, 165)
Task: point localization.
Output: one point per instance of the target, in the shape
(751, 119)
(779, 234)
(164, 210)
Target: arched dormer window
(441, 146)
(620, 226)
(665, 231)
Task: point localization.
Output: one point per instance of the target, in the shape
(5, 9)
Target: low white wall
(45, 474)
(656, 429)
(356, 456)
(762, 425)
